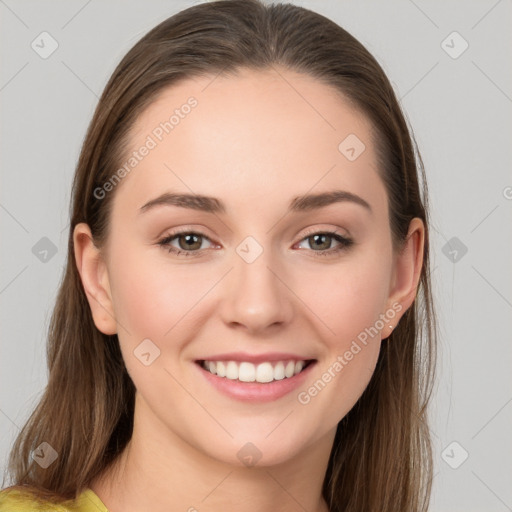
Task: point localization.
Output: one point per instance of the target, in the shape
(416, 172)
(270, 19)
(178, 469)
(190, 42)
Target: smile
(248, 372)
(263, 382)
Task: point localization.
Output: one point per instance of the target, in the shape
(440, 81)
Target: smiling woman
(245, 320)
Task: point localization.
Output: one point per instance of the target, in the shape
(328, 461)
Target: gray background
(460, 109)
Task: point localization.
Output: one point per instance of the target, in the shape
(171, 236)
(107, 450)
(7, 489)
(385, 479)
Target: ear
(406, 274)
(94, 275)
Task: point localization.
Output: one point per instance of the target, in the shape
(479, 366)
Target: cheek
(149, 295)
(153, 301)
(349, 302)
(348, 298)
(350, 310)
(158, 300)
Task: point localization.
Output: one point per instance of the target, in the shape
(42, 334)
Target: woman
(245, 321)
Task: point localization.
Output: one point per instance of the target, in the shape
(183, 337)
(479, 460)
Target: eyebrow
(213, 205)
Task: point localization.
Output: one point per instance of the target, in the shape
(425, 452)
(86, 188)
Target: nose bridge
(255, 297)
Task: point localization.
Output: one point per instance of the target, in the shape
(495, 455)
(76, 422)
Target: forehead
(257, 136)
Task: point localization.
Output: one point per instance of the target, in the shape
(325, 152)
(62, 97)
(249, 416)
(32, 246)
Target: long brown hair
(382, 456)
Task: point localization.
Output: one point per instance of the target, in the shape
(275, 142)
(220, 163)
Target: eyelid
(332, 230)
(309, 232)
(165, 240)
(186, 230)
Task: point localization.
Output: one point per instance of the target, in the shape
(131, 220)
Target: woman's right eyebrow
(192, 201)
(213, 205)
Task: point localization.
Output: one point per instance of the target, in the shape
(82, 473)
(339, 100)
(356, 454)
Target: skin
(255, 143)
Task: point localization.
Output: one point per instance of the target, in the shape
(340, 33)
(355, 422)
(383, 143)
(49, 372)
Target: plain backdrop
(450, 65)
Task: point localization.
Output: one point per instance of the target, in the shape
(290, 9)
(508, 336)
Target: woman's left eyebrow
(213, 205)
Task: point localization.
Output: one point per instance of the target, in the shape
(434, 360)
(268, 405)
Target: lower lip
(256, 391)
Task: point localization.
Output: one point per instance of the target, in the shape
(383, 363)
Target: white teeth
(232, 370)
(290, 369)
(249, 372)
(264, 373)
(221, 369)
(279, 371)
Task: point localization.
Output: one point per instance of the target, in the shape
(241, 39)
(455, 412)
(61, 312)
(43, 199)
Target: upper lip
(256, 358)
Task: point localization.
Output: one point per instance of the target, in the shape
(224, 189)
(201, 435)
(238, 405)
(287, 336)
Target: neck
(159, 471)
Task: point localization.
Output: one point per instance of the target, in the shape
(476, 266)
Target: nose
(255, 295)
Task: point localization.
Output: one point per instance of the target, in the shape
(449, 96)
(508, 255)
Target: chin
(258, 449)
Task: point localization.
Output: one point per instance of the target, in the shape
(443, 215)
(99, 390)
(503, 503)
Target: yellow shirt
(14, 500)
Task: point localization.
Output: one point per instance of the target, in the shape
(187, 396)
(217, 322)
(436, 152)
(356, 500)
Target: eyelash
(344, 243)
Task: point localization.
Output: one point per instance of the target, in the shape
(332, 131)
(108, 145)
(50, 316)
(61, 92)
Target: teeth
(249, 372)
(221, 369)
(290, 369)
(279, 371)
(246, 372)
(264, 373)
(232, 370)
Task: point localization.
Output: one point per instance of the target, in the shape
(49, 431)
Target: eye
(321, 242)
(189, 243)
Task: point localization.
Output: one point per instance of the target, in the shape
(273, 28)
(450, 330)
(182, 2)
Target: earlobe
(94, 275)
(406, 274)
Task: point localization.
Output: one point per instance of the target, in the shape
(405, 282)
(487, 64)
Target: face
(288, 259)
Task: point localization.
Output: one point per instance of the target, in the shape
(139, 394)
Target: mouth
(265, 381)
(262, 373)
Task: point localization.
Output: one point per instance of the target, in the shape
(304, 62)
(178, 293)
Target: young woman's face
(259, 279)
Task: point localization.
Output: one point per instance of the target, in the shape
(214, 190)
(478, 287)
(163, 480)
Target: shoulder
(17, 500)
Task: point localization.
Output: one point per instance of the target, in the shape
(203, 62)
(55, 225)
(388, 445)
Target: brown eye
(190, 241)
(320, 241)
